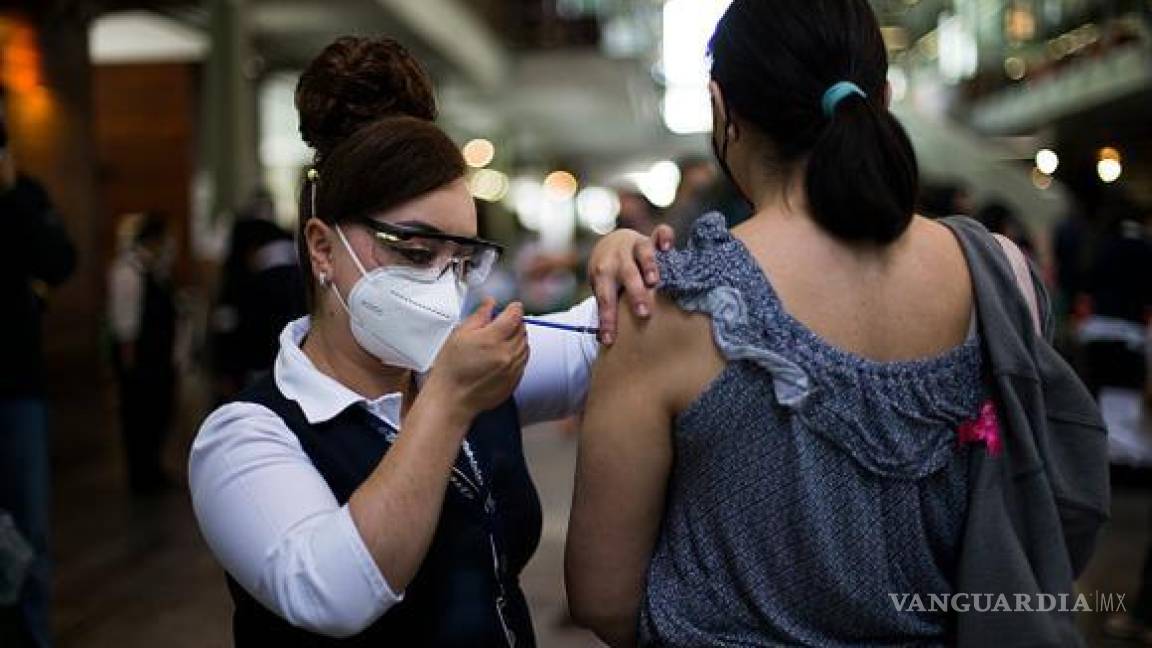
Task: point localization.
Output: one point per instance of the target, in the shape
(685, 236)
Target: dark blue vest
(453, 599)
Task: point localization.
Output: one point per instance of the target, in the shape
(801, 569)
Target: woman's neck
(776, 192)
(351, 366)
(783, 218)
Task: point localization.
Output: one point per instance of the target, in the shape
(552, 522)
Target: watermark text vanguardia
(973, 602)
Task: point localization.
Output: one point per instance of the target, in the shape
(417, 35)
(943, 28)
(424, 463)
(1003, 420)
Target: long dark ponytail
(774, 62)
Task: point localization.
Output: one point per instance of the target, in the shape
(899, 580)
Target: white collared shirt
(271, 519)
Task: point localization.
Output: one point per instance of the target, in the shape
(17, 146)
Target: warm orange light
(479, 153)
(1020, 24)
(32, 110)
(20, 60)
(36, 106)
(561, 184)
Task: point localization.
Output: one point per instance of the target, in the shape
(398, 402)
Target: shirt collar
(320, 396)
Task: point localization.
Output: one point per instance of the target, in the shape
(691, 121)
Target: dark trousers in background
(1112, 363)
(24, 493)
(147, 396)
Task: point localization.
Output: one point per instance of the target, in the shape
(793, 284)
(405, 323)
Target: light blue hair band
(837, 93)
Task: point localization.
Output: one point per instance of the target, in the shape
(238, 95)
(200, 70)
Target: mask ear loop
(721, 152)
(332, 284)
(340, 298)
(348, 246)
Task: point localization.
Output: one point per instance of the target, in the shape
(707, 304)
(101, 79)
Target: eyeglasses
(430, 254)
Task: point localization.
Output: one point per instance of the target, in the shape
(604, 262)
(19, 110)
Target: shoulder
(936, 245)
(668, 355)
(943, 235)
(711, 248)
(239, 432)
(239, 417)
(661, 334)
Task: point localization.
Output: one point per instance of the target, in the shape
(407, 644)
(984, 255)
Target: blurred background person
(702, 190)
(260, 292)
(547, 277)
(999, 218)
(636, 212)
(940, 199)
(39, 255)
(1119, 293)
(501, 284)
(1115, 337)
(142, 318)
(1072, 248)
(698, 180)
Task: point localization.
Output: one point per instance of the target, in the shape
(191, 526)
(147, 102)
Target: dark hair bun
(356, 81)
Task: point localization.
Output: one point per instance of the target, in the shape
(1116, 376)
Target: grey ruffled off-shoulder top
(809, 484)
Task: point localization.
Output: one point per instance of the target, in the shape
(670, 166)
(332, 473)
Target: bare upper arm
(667, 359)
(624, 461)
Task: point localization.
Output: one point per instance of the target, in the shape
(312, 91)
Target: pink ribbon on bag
(985, 428)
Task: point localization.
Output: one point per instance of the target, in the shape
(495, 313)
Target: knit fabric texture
(810, 485)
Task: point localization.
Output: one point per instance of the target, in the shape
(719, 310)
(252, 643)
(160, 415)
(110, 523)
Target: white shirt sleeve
(125, 301)
(275, 526)
(555, 382)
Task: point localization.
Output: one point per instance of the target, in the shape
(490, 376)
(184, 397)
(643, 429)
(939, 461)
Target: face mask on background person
(400, 314)
(720, 152)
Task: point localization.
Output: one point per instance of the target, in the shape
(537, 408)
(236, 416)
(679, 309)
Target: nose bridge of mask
(441, 298)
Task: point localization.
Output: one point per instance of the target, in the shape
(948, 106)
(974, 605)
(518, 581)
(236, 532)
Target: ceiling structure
(504, 69)
(529, 72)
(574, 80)
(554, 82)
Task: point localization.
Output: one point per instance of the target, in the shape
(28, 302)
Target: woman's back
(818, 472)
(910, 299)
(786, 461)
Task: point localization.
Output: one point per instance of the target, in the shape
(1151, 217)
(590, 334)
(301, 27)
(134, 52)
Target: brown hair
(355, 81)
(367, 108)
(383, 165)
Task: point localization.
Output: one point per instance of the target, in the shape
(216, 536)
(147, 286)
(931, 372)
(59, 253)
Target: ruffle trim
(897, 420)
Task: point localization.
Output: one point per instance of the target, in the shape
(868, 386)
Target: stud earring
(324, 279)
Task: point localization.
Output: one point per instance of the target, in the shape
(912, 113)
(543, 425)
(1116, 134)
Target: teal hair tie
(837, 93)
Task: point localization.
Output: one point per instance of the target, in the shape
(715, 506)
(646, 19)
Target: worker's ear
(319, 237)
